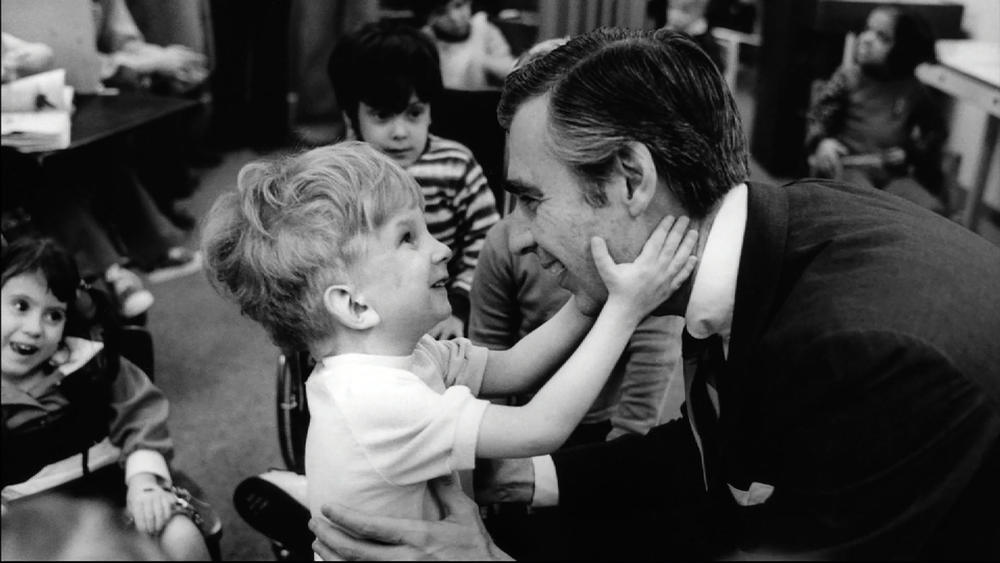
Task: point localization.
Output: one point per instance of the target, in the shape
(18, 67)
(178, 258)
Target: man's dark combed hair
(29, 255)
(914, 42)
(610, 87)
(382, 64)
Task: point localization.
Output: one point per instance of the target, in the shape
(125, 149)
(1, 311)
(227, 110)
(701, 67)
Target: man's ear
(349, 308)
(640, 174)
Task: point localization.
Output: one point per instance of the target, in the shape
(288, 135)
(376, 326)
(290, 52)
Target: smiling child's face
(404, 275)
(33, 321)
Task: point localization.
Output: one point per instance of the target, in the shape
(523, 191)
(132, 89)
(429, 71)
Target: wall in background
(981, 20)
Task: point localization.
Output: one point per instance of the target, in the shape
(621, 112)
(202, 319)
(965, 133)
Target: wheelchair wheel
(292, 409)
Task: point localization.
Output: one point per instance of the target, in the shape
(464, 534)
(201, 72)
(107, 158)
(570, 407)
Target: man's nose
(519, 237)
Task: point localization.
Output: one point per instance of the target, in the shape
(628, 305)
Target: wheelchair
(135, 343)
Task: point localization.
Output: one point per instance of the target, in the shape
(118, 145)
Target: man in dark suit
(843, 390)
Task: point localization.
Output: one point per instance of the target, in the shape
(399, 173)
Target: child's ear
(349, 308)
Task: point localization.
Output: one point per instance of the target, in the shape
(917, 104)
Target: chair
(293, 410)
(135, 343)
(730, 41)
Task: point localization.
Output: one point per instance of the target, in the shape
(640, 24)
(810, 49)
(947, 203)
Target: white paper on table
(38, 92)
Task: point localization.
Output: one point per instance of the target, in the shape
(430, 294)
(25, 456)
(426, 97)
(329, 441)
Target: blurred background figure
(474, 52)
(688, 16)
(874, 123)
(23, 58)
(128, 60)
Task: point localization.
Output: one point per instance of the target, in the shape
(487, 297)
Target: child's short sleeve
(409, 432)
(459, 361)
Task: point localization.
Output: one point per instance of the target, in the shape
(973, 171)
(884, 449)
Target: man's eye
(530, 204)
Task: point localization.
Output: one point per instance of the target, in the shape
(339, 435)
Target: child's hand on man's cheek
(452, 327)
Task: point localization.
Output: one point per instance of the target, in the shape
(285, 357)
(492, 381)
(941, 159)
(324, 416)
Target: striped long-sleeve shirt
(459, 208)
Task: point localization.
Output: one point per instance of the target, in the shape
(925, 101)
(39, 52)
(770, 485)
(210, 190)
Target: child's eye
(56, 316)
(406, 238)
(21, 305)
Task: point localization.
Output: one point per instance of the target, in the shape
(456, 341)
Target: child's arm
(525, 365)
(634, 290)
(139, 428)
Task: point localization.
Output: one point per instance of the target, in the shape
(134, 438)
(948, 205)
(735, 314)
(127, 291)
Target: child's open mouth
(23, 349)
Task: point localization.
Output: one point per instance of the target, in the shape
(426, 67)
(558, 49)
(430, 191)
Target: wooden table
(970, 71)
(98, 118)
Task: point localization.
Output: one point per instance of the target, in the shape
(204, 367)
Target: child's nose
(399, 129)
(32, 325)
(442, 253)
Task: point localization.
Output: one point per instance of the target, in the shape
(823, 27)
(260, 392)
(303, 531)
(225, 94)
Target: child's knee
(182, 540)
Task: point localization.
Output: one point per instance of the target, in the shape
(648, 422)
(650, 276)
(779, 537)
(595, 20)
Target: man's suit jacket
(860, 401)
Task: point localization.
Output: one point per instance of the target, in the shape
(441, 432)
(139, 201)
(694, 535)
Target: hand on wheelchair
(826, 159)
(149, 505)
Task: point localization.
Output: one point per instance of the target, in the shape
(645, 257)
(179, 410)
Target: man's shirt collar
(713, 294)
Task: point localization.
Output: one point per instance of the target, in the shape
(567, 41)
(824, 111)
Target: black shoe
(274, 513)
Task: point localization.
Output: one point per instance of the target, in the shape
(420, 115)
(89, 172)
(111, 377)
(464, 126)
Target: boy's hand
(149, 504)
(663, 265)
(452, 327)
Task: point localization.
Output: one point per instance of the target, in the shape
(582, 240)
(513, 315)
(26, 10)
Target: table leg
(970, 214)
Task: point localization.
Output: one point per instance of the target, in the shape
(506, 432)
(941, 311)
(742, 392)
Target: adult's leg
(68, 219)
(146, 234)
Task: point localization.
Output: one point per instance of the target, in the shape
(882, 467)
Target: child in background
(874, 123)
(474, 53)
(329, 251)
(71, 404)
(386, 78)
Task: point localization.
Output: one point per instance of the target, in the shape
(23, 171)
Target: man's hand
(148, 503)
(460, 535)
(504, 480)
(452, 327)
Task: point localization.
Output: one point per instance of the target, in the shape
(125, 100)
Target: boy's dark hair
(28, 255)
(422, 9)
(914, 43)
(382, 64)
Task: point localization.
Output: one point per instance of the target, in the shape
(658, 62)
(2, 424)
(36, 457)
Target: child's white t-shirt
(382, 426)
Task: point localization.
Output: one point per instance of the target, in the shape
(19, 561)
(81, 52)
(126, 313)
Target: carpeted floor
(217, 368)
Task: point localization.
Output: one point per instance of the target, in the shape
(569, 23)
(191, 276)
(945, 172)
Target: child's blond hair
(294, 226)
